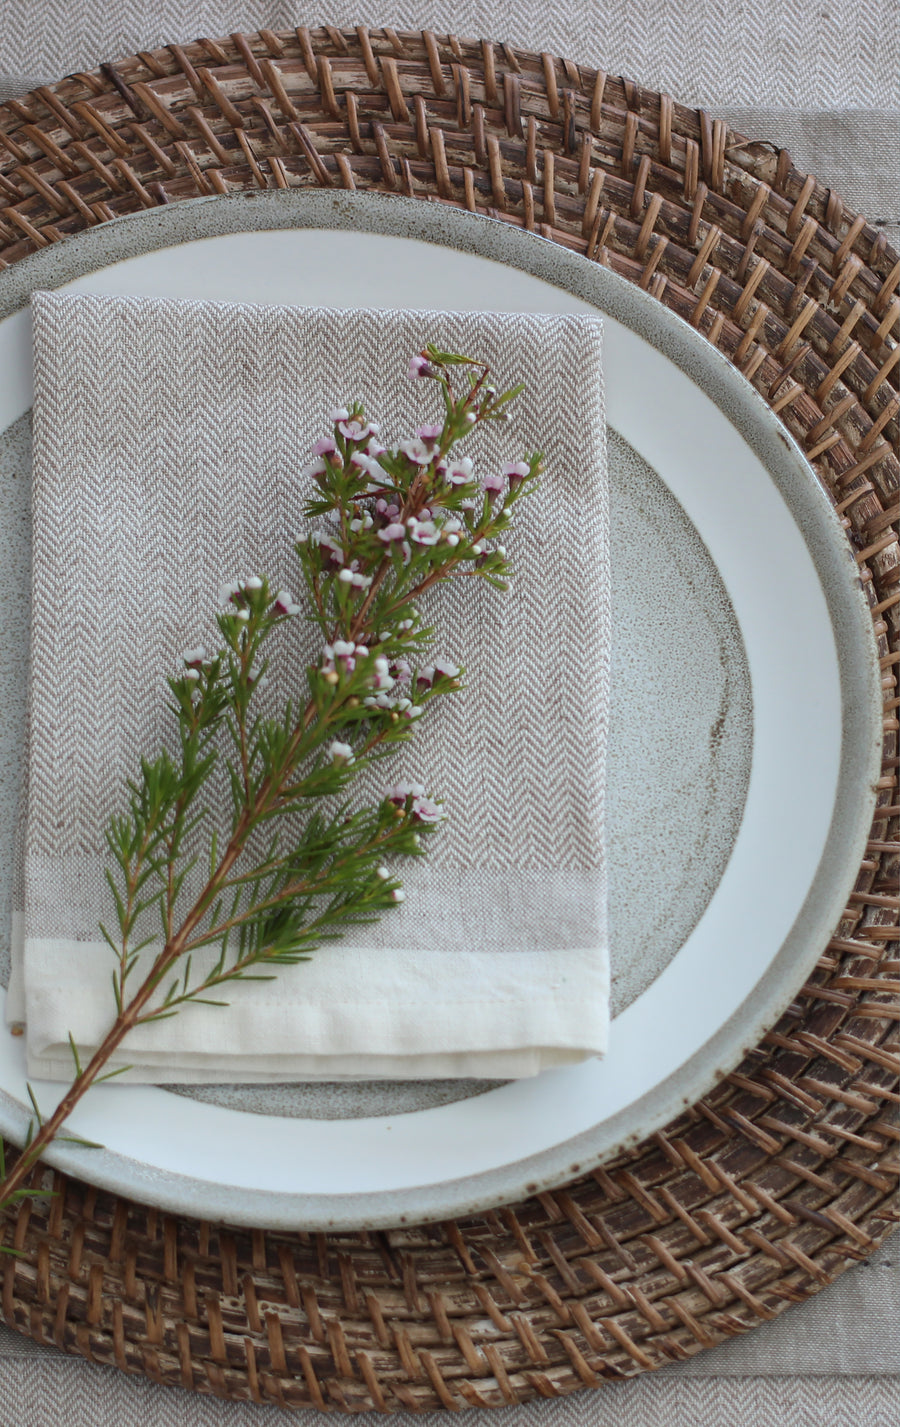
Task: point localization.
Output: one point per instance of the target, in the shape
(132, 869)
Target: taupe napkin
(169, 438)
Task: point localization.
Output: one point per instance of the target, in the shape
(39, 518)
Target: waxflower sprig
(200, 906)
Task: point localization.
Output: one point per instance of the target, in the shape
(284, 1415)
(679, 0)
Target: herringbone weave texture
(168, 441)
(845, 54)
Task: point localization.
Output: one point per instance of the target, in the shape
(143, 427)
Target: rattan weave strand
(769, 1187)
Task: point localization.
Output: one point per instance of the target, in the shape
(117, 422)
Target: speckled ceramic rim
(851, 620)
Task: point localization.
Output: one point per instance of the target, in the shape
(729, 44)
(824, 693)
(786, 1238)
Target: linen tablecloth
(823, 81)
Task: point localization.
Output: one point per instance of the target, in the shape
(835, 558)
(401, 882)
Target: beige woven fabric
(845, 54)
(81, 1393)
(837, 63)
(168, 438)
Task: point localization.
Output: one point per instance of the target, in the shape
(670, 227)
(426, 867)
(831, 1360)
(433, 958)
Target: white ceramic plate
(804, 633)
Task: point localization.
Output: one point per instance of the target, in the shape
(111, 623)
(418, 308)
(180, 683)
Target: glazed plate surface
(744, 744)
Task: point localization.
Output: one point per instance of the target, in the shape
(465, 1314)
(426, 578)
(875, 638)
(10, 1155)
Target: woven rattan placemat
(771, 1185)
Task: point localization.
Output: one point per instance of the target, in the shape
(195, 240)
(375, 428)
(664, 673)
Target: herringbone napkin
(168, 437)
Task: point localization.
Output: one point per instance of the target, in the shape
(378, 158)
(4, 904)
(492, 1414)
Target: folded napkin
(168, 438)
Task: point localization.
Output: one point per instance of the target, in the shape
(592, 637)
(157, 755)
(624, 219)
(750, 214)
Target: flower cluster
(385, 525)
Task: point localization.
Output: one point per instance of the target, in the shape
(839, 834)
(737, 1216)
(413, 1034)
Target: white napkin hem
(307, 1014)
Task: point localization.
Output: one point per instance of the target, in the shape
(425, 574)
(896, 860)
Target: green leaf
(108, 1075)
(35, 1106)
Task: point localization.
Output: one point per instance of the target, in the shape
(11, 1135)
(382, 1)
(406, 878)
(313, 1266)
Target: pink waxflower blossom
(313, 470)
(444, 669)
(401, 670)
(416, 450)
(423, 532)
(228, 591)
(432, 673)
(325, 446)
(356, 429)
(425, 811)
(367, 463)
(340, 413)
(392, 532)
(389, 511)
(341, 754)
(193, 657)
(285, 603)
(493, 485)
(333, 550)
(460, 472)
(429, 434)
(382, 674)
(419, 366)
(401, 791)
(354, 578)
(516, 471)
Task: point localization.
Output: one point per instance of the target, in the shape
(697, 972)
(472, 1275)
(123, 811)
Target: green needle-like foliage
(200, 905)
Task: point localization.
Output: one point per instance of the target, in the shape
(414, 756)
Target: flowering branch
(275, 886)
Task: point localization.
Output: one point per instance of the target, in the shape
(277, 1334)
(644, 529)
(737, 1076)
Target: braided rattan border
(772, 1184)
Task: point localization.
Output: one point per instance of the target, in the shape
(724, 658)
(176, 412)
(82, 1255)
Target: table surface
(822, 80)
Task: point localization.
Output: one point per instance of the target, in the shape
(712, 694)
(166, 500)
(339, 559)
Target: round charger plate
(771, 1184)
(791, 588)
